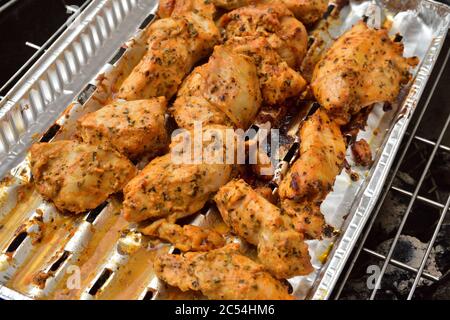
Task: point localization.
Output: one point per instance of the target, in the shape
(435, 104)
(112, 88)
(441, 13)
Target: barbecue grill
(411, 211)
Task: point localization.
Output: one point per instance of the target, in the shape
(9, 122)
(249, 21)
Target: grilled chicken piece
(362, 67)
(280, 248)
(164, 188)
(277, 80)
(223, 91)
(133, 128)
(78, 176)
(307, 11)
(306, 217)
(362, 153)
(177, 185)
(283, 31)
(322, 154)
(220, 274)
(173, 8)
(273, 21)
(185, 238)
(174, 46)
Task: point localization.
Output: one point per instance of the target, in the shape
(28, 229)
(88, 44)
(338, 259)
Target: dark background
(28, 20)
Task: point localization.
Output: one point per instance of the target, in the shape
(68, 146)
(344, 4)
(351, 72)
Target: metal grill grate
(417, 156)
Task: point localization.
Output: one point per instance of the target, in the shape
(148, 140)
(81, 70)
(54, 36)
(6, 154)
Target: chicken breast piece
(220, 274)
(77, 176)
(322, 154)
(307, 11)
(281, 249)
(174, 46)
(173, 8)
(185, 238)
(133, 128)
(223, 91)
(177, 184)
(306, 217)
(277, 80)
(273, 21)
(362, 67)
(164, 188)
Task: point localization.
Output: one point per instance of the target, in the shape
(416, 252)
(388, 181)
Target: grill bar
(42, 48)
(423, 199)
(410, 205)
(431, 143)
(420, 272)
(389, 181)
(400, 264)
(7, 5)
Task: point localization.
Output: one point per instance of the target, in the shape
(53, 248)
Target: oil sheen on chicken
(362, 67)
(281, 249)
(174, 46)
(223, 274)
(173, 187)
(322, 154)
(277, 80)
(133, 128)
(273, 21)
(306, 217)
(185, 238)
(223, 91)
(307, 11)
(78, 176)
(173, 8)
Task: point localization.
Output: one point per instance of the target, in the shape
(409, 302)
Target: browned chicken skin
(164, 189)
(307, 11)
(322, 154)
(170, 187)
(172, 8)
(185, 238)
(280, 248)
(362, 67)
(220, 274)
(275, 41)
(362, 153)
(174, 46)
(277, 80)
(306, 217)
(77, 176)
(133, 128)
(273, 21)
(223, 91)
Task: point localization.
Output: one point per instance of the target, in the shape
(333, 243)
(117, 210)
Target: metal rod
(401, 265)
(44, 46)
(32, 45)
(7, 5)
(391, 180)
(428, 251)
(72, 9)
(431, 143)
(423, 199)
(410, 205)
